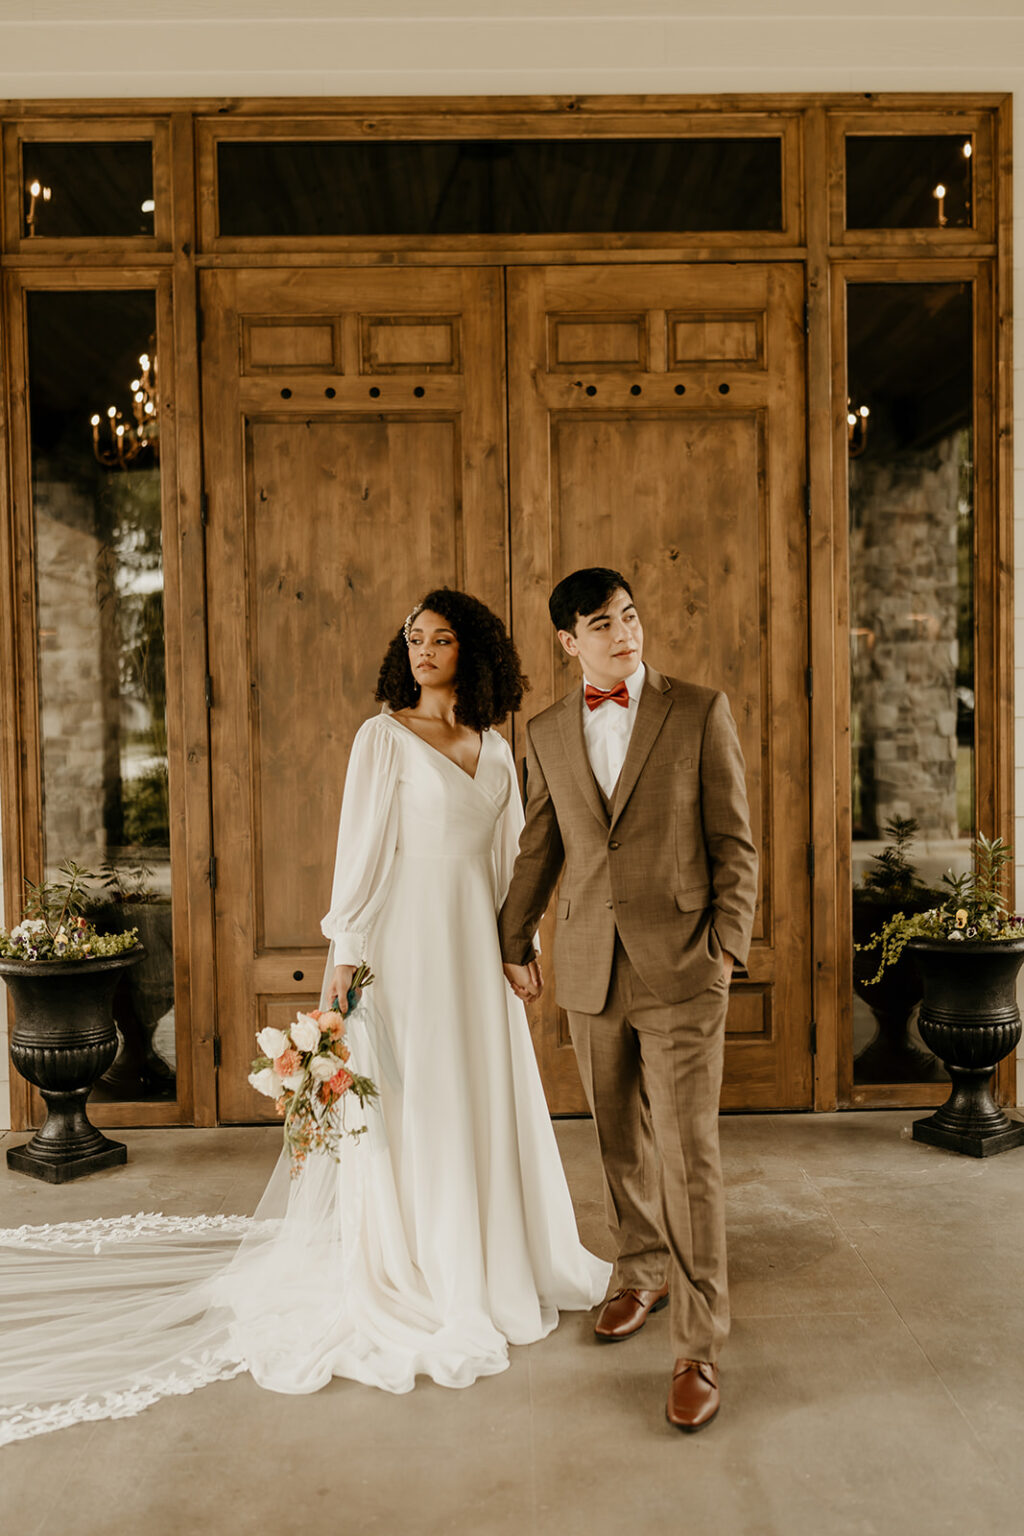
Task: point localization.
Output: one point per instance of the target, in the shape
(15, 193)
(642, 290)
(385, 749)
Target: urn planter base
(63, 1040)
(969, 1018)
(42, 1162)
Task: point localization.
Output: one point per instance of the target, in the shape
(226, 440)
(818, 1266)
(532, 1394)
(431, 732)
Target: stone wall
(904, 513)
(78, 683)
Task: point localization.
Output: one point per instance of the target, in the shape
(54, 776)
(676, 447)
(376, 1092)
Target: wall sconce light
(37, 194)
(856, 428)
(939, 194)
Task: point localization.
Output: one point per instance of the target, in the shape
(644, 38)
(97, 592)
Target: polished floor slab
(872, 1385)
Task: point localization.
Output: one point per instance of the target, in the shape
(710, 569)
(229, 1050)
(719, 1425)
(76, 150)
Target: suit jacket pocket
(563, 906)
(694, 899)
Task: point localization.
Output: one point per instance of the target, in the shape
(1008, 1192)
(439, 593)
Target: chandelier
(121, 441)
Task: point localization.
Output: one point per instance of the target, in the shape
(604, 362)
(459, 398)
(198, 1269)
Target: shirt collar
(634, 683)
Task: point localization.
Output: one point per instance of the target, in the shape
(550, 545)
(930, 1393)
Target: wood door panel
(665, 439)
(364, 487)
(707, 597)
(336, 502)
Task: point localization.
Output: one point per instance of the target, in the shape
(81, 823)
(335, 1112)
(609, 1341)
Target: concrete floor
(873, 1384)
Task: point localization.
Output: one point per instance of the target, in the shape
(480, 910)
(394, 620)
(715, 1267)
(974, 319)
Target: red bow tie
(597, 696)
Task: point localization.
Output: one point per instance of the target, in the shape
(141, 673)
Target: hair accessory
(407, 626)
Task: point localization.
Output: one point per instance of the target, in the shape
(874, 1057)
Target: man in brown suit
(635, 789)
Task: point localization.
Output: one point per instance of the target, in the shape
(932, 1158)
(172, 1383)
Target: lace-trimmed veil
(100, 1318)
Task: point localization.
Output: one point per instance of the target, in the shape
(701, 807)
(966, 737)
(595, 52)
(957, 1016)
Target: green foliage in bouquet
(974, 909)
(305, 1069)
(53, 926)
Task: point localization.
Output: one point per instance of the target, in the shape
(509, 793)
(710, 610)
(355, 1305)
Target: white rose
(306, 1033)
(272, 1042)
(266, 1081)
(294, 1080)
(323, 1067)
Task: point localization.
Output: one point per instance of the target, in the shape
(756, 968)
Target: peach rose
(341, 1082)
(288, 1062)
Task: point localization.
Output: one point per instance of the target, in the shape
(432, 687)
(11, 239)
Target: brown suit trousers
(652, 1073)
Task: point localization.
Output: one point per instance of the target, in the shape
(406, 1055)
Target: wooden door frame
(811, 126)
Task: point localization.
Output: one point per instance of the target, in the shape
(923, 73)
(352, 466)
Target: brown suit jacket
(672, 869)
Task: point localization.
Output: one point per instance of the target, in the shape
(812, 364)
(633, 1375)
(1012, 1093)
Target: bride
(446, 1232)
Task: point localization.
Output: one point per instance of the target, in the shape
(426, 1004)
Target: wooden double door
(370, 434)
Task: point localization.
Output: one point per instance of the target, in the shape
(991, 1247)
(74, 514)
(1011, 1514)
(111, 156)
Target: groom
(636, 797)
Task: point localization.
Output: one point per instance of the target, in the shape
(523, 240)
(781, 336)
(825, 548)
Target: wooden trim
(435, 124)
(574, 106)
(899, 1096)
(86, 129)
(1002, 513)
(900, 125)
(26, 811)
(195, 978)
(117, 1116)
(831, 855)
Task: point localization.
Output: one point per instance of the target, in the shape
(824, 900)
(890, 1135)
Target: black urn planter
(63, 1040)
(970, 1019)
(892, 1056)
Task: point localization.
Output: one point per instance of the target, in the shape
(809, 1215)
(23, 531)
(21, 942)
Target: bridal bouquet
(305, 1070)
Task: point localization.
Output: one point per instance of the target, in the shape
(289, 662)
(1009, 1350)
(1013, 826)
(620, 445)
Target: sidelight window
(96, 494)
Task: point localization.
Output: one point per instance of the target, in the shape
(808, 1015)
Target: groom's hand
(526, 981)
(728, 961)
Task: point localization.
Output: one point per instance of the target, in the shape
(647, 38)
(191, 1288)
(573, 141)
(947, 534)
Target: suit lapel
(654, 705)
(571, 724)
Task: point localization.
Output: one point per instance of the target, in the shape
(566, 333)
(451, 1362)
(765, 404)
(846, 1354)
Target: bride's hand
(526, 981)
(340, 984)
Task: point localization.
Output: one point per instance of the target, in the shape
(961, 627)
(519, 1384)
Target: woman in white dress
(447, 1231)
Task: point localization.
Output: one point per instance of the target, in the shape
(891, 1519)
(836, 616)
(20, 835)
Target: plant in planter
(144, 998)
(891, 884)
(61, 974)
(968, 950)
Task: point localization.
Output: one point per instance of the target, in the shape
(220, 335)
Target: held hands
(526, 981)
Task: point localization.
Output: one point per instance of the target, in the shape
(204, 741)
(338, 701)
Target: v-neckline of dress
(472, 777)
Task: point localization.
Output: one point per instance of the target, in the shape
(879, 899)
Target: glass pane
(102, 690)
(507, 187)
(88, 190)
(909, 181)
(911, 477)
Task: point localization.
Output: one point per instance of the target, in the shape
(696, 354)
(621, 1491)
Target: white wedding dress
(442, 1235)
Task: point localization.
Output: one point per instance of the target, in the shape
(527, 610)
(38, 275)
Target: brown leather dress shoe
(626, 1312)
(693, 1398)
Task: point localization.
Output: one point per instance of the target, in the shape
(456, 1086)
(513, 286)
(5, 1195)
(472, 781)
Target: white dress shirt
(607, 729)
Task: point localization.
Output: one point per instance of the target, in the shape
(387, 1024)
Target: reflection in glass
(498, 187)
(909, 181)
(102, 686)
(911, 478)
(89, 190)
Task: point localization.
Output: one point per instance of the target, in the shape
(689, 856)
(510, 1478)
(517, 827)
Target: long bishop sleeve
(507, 833)
(367, 838)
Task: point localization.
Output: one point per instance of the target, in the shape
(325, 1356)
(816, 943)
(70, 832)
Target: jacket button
(614, 845)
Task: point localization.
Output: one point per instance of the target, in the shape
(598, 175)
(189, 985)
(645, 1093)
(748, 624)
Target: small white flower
(267, 1082)
(272, 1042)
(306, 1032)
(323, 1067)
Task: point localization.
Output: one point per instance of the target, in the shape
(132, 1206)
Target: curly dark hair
(490, 682)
